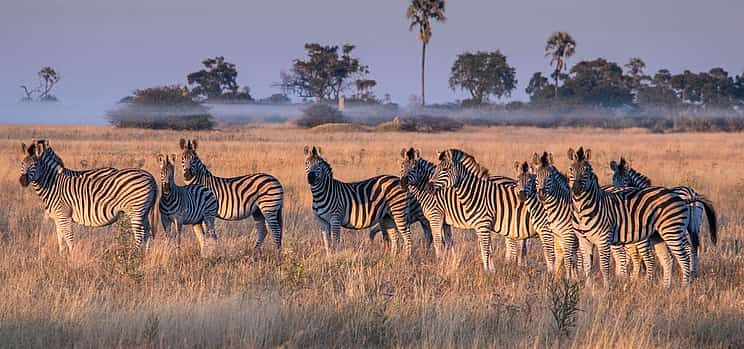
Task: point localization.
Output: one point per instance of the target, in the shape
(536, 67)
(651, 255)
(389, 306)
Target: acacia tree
(218, 81)
(420, 13)
(537, 88)
(483, 74)
(635, 74)
(559, 47)
(324, 75)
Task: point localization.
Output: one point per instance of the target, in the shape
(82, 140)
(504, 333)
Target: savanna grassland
(359, 297)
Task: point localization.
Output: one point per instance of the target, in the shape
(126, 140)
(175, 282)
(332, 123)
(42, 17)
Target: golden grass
(359, 296)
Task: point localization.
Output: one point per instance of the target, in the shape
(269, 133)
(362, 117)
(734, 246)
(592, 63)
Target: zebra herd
(570, 214)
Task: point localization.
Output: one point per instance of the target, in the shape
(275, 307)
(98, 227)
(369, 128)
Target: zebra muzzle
(522, 195)
(24, 180)
(311, 177)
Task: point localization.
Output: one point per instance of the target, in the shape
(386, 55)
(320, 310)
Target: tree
(218, 81)
(48, 78)
(420, 13)
(559, 47)
(325, 73)
(659, 93)
(364, 90)
(635, 75)
(598, 83)
(538, 88)
(162, 107)
(483, 74)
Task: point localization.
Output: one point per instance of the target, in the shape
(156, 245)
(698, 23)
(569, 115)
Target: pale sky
(105, 49)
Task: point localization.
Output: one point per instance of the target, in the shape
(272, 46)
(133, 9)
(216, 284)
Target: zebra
(561, 228)
(487, 206)
(192, 204)
(259, 195)
(93, 198)
(442, 209)
(377, 200)
(605, 218)
(554, 193)
(625, 176)
(416, 214)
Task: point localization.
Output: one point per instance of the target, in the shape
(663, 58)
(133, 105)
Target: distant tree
(598, 83)
(162, 107)
(277, 98)
(217, 82)
(538, 88)
(659, 93)
(364, 90)
(559, 47)
(483, 74)
(635, 74)
(28, 93)
(420, 13)
(324, 75)
(49, 78)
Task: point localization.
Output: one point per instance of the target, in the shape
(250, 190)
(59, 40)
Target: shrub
(426, 123)
(166, 107)
(320, 113)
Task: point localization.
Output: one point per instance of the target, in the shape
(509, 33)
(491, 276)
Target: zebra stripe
(442, 209)
(93, 198)
(487, 207)
(192, 204)
(359, 205)
(416, 214)
(625, 176)
(259, 195)
(605, 218)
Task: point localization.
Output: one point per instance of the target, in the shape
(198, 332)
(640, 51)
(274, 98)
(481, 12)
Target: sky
(106, 49)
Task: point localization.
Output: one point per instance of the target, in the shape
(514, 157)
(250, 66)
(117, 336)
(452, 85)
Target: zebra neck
(47, 187)
(470, 185)
(637, 179)
(321, 189)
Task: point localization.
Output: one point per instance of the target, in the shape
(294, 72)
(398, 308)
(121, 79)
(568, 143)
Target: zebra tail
(710, 212)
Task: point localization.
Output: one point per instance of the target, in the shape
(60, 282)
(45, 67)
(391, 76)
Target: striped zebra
(442, 209)
(625, 176)
(554, 193)
(605, 218)
(93, 198)
(415, 214)
(359, 205)
(259, 195)
(559, 223)
(488, 207)
(192, 204)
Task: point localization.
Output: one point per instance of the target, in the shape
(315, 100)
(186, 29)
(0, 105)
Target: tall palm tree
(420, 12)
(559, 47)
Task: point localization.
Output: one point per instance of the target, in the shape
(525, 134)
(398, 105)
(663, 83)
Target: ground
(360, 296)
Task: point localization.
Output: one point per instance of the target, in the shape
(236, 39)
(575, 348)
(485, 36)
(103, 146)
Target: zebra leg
(437, 235)
(693, 229)
(212, 239)
(64, 234)
(635, 257)
(586, 256)
(546, 237)
(680, 248)
(621, 261)
(325, 230)
(261, 232)
(140, 226)
(568, 244)
(428, 237)
(179, 229)
(335, 231)
(387, 225)
(484, 240)
(649, 260)
(401, 225)
(448, 242)
(665, 259)
(199, 233)
(604, 261)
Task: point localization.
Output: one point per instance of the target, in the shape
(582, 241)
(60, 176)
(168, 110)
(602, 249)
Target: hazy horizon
(105, 50)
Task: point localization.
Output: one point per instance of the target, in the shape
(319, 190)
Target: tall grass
(360, 296)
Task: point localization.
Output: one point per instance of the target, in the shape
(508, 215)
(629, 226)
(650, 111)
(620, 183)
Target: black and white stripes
(259, 195)
(91, 198)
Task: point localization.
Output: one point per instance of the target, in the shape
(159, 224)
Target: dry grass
(360, 296)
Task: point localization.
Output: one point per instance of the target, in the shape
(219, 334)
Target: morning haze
(104, 50)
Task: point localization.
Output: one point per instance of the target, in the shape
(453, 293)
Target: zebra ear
(571, 154)
(194, 144)
(39, 149)
(403, 153)
(319, 150)
(613, 165)
(418, 154)
(535, 158)
(550, 158)
(588, 154)
(517, 166)
(173, 156)
(182, 143)
(307, 150)
(24, 148)
(161, 160)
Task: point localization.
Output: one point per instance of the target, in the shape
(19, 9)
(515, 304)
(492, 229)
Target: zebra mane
(637, 179)
(318, 159)
(51, 158)
(469, 162)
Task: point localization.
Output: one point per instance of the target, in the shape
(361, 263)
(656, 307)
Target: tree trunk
(557, 72)
(423, 65)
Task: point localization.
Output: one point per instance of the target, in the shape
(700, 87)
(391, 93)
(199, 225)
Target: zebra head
(189, 159)
(166, 172)
(623, 175)
(448, 173)
(316, 168)
(525, 181)
(31, 165)
(411, 169)
(580, 173)
(545, 183)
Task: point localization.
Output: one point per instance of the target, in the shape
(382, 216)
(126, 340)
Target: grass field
(360, 296)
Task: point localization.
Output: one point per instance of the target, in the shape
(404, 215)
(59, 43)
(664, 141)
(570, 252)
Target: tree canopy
(483, 74)
(217, 82)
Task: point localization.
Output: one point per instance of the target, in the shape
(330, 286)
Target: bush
(166, 107)
(426, 123)
(319, 114)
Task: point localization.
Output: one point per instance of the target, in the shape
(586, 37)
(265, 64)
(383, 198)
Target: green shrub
(319, 114)
(165, 107)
